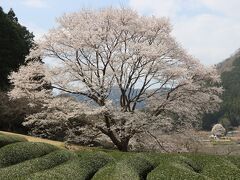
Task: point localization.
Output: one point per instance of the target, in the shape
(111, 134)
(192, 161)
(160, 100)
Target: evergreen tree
(231, 95)
(229, 113)
(15, 43)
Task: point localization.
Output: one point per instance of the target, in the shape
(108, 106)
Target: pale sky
(208, 29)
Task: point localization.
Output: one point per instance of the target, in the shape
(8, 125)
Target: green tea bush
(9, 139)
(105, 173)
(18, 152)
(217, 167)
(176, 167)
(25, 168)
(116, 154)
(82, 168)
(173, 171)
(131, 168)
(235, 160)
(40, 161)
(157, 158)
(188, 163)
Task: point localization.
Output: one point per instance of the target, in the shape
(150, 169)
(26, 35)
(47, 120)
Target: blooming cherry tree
(30, 82)
(97, 51)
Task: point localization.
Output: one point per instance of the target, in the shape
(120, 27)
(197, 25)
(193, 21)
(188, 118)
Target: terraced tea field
(20, 159)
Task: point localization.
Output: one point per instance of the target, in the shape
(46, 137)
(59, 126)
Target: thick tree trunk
(120, 143)
(124, 145)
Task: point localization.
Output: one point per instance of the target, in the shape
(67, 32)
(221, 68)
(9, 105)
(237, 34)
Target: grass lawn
(26, 157)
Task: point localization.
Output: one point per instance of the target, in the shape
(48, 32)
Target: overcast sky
(208, 29)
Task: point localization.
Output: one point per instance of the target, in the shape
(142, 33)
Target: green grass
(23, 160)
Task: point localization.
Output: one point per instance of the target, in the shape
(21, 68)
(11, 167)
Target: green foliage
(230, 107)
(231, 95)
(131, 168)
(15, 43)
(226, 123)
(18, 152)
(235, 160)
(156, 158)
(105, 173)
(9, 139)
(173, 171)
(175, 166)
(22, 170)
(217, 167)
(82, 168)
(116, 154)
(25, 160)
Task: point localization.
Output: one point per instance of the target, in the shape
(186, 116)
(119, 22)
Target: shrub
(174, 166)
(226, 123)
(156, 158)
(9, 139)
(18, 152)
(189, 164)
(173, 170)
(235, 160)
(131, 168)
(82, 168)
(216, 167)
(116, 154)
(105, 173)
(37, 164)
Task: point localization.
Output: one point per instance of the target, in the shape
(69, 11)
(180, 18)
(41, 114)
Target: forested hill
(229, 114)
(228, 64)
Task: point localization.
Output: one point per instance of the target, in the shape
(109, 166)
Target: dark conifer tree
(15, 43)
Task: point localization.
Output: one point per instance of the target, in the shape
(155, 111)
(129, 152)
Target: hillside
(20, 159)
(229, 113)
(227, 64)
(113, 96)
